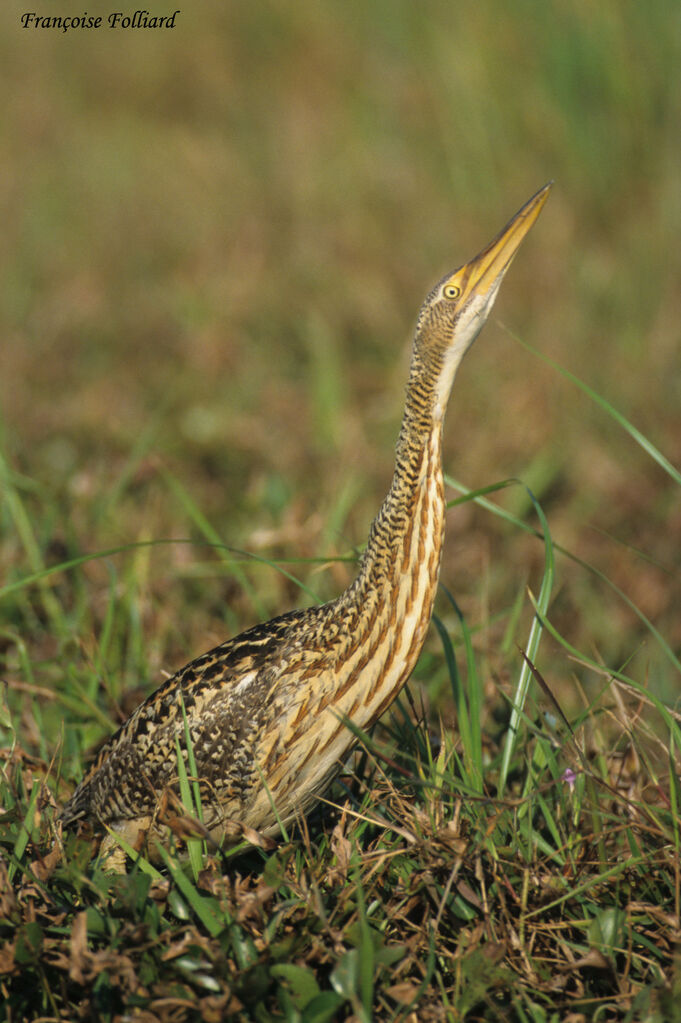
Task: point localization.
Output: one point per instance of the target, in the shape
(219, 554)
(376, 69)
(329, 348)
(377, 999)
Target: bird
(263, 718)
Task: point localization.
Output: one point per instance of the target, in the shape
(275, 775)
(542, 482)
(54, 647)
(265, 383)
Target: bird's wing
(222, 695)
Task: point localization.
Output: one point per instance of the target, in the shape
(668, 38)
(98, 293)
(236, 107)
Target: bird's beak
(490, 265)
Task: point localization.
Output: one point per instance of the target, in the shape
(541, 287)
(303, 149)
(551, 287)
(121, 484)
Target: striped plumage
(266, 710)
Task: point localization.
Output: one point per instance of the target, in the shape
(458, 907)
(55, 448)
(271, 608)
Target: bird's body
(266, 712)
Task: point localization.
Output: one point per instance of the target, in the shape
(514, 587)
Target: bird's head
(456, 309)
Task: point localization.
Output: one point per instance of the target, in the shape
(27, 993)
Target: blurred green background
(215, 242)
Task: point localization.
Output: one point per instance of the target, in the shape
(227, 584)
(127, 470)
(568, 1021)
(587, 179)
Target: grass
(470, 872)
(217, 245)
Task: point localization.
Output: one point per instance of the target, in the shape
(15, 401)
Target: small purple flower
(570, 777)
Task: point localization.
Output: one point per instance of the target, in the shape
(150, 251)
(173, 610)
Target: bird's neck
(401, 562)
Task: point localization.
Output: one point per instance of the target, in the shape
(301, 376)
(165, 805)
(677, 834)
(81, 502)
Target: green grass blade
(603, 403)
(519, 524)
(531, 649)
(25, 830)
(203, 907)
(366, 951)
(468, 701)
(582, 658)
(191, 760)
(44, 573)
(195, 514)
(194, 845)
(140, 861)
(282, 827)
(26, 533)
(462, 718)
(674, 788)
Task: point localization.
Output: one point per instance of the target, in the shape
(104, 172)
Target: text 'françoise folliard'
(117, 19)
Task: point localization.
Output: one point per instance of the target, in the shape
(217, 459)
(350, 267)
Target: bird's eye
(451, 291)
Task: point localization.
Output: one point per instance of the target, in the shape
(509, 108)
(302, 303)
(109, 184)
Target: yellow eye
(451, 291)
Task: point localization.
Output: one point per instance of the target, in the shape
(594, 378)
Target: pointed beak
(490, 265)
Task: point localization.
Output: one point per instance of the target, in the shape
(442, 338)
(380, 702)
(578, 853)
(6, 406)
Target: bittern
(266, 712)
